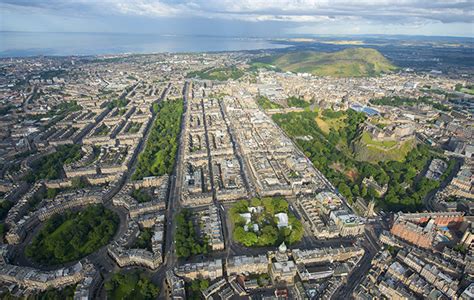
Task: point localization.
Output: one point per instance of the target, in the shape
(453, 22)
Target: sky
(262, 18)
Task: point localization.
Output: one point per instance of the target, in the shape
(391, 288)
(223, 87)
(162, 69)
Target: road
(100, 257)
(429, 201)
(370, 243)
(174, 206)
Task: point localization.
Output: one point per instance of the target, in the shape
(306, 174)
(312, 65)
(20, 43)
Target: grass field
(352, 62)
(326, 124)
(467, 91)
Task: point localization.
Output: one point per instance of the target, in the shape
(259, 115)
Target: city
(218, 176)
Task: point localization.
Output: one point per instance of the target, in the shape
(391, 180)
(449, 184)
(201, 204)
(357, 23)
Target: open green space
(141, 195)
(220, 74)
(297, 102)
(4, 208)
(352, 62)
(367, 149)
(266, 103)
(187, 240)
(328, 120)
(160, 151)
(332, 154)
(255, 65)
(73, 235)
(468, 89)
(131, 286)
(37, 197)
(51, 166)
(268, 233)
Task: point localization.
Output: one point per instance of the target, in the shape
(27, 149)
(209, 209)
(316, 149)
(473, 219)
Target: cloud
(301, 11)
(241, 17)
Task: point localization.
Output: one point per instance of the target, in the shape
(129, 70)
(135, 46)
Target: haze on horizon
(271, 18)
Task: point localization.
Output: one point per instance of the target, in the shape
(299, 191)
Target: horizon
(252, 149)
(247, 36)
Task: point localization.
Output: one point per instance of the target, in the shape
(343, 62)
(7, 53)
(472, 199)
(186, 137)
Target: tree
(297, 231)
(187, 242)
(255, 202)
(345, 190)
(134, 285)
(269, 235)
(355, 190)
(73, 235)
(280, 205)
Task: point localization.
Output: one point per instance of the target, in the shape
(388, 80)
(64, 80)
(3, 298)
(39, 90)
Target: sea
(18, 44)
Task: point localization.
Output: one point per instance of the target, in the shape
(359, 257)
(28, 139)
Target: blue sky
(241, 18)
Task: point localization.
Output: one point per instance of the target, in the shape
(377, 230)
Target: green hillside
(367, 149)
(353, 62)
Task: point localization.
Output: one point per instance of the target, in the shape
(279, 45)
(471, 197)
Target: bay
(62, 44)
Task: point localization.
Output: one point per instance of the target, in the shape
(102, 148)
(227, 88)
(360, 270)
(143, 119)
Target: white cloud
(300, 11)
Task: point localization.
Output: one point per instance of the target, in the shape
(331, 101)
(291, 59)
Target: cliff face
(366, 149)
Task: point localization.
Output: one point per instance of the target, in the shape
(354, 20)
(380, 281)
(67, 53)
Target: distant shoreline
(28, 44)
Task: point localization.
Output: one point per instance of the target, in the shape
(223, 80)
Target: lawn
(326, 124)
(467, 91)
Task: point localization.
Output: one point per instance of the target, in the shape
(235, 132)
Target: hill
(367, 149)
(353, 62)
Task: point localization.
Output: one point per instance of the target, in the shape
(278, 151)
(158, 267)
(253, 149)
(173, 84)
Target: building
(210, 269)
(247, 265)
